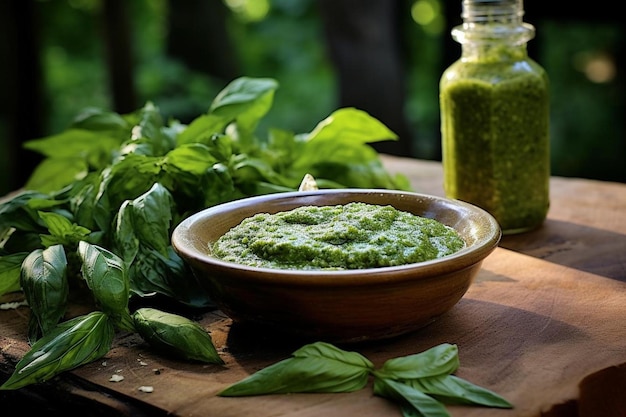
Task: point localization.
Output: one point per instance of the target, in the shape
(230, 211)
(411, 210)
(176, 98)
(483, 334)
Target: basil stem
(175, 335)
(70, 344)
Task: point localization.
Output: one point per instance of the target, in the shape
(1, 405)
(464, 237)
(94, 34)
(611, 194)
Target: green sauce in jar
(495, 134)
(350, 236)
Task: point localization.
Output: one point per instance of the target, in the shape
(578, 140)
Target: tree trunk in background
(21, 108)
(119, 55)
(197, 35)
(364, 42)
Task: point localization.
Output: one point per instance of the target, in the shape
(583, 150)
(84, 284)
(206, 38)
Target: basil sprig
(421, 384)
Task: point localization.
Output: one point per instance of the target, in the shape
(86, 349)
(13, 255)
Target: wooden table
(543, 325)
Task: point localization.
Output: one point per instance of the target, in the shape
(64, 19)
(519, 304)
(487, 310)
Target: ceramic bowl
(343, 305)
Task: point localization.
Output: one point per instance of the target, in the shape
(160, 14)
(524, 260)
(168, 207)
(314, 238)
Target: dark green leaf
(107, 277)
(176, 335)
(151, 215)
(71, 344)
(151, 272)
(18, 213)
(46, 288)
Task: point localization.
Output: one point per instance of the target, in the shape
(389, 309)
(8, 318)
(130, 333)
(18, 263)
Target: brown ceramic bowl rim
(188, 245)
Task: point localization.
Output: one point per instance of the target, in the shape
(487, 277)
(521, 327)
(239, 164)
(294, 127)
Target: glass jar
(494, 105)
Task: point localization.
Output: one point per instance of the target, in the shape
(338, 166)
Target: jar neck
(493, 26)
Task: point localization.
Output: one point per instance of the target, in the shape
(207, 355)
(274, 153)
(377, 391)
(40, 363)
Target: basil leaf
(10, 269)
(176, 335)
(98, 120)
(52, 174)
(46, 288)
(331, 352)
(318, 367)
(107, 277)
(202, 130)
(352, 125)
(17, 213)
(241, 97)
(72, 343)
(442, 359)
(151, 215)
(125, 240)
(412, 401)
(62, 230)
(452, 389)
(168, 275)
(148, 134)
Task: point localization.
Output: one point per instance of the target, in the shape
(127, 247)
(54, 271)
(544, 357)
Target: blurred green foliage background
(283, 39)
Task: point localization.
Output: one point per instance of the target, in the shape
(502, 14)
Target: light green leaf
(52, 174)
(408, 397)
(62, 230)
(202, 129)
(10, 268)
(350, 125)
(442, 359)
(331, 352)
(455, 390)
(318, 367)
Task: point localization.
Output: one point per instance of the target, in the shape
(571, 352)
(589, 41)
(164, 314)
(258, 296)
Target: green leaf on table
(70, 344)
(175, 335)
(317, 367)
(413, 402)
(46, 288)
(442, 359)
(454, 390)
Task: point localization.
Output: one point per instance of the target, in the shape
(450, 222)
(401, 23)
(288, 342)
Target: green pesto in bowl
(337, 237)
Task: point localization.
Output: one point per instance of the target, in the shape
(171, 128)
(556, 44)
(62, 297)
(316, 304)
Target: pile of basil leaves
(96, 215)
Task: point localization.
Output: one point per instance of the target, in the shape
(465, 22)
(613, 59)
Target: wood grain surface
(542, 325)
